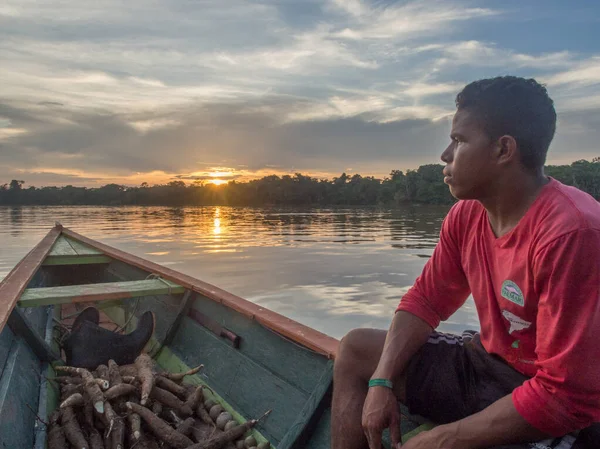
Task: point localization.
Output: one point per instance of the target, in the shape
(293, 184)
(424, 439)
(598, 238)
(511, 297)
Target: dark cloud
(220, 133)
(51, 103)
(40, 179)
(21, 117)
(234, 135)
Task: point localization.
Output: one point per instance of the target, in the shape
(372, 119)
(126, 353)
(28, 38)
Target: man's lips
(447, 176)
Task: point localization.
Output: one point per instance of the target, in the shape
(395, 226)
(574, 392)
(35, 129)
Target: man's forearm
(406, 335)
(498, 424)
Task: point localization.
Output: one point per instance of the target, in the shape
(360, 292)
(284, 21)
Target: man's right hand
(381, 412)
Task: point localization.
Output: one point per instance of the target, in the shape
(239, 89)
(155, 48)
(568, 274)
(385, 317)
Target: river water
(332, 269)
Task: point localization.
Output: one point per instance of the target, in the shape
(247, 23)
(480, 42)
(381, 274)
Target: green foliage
(424, 185)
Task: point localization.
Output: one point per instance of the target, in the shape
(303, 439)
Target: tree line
(421, 186)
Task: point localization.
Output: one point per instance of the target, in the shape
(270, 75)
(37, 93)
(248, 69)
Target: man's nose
(447, 154)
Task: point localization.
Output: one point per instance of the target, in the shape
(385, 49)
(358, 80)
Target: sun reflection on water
(217, 222)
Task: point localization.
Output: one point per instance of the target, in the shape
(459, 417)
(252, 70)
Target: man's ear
(506, 149)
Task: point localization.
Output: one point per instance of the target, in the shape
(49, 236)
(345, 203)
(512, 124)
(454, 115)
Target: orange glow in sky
(218, 182)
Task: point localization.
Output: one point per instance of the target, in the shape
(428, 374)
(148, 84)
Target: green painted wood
(67, 251)
(34, 297)
(47, 401)
(75, 260)
(249, 387)
(6, 341)
(184, 305)
(321, 435)
(19, 388)
(49, 391)
(21, 327)
(310, 413)
(170, 362)
(118, 270)
(81, 248)
(296, 364)
(36, 317)
(62, 248)
(418, 430)
(164, 307)
(320, 438)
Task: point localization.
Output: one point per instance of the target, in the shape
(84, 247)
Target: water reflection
(331, 268)
(16, 220)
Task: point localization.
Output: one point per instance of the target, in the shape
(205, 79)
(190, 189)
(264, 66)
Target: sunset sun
(216, 177)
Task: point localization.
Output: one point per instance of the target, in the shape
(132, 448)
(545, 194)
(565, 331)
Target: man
(528, 249)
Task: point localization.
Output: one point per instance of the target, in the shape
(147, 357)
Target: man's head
(501, 124)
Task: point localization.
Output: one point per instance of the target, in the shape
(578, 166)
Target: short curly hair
(519, 107)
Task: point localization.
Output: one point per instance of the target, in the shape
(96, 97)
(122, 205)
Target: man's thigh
(452, 377)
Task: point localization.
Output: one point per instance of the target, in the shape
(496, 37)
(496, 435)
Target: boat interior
(254, 360)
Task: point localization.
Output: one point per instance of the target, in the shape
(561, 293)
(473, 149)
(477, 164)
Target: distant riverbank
(422, 186)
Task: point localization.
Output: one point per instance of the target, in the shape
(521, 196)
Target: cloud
(585, 73)
(123, 91)
(476, 53)
(420, 90)
(109, 144)
(406, 20)
(6, 132)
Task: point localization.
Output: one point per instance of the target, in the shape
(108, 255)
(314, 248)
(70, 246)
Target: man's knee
(353, 344)
(360, 348)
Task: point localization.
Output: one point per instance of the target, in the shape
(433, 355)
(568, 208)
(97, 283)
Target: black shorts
(452, 377)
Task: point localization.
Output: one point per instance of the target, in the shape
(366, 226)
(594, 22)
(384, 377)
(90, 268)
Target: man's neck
(511, 200)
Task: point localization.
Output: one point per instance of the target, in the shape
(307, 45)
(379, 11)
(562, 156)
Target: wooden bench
(44, 296)
(66, 251)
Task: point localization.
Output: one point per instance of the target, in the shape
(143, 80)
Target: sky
(100, 91)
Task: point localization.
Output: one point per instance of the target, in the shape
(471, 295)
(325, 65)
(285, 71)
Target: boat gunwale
(15, 282)
(299, 333)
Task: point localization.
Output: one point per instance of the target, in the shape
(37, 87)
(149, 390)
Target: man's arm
(406, 335)
(437, 293)
(498, 424)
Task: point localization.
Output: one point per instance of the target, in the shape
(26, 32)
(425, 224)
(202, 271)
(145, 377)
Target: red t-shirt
(537, 295)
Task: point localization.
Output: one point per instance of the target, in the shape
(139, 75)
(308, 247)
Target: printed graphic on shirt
(512, 292)
(516, 344)
(516, 323)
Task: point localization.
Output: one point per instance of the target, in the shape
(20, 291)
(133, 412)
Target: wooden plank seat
(66, 251)
(44, 296)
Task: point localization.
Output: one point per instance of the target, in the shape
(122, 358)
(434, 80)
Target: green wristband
(381, 383)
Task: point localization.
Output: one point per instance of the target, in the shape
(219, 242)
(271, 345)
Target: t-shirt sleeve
(564, 395)
(442, 287)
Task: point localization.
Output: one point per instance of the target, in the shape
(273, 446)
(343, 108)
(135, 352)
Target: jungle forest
(421, 186)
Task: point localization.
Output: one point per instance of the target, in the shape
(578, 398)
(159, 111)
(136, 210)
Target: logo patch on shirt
(516, 323)
(512, 292)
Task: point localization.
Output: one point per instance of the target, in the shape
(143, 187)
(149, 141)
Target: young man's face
(469, 158)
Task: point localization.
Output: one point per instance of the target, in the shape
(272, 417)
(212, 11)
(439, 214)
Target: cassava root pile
(134, 406)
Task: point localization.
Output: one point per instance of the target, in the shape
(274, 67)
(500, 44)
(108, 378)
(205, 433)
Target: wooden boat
(255, 359)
